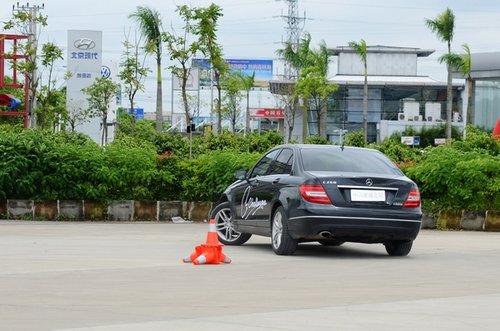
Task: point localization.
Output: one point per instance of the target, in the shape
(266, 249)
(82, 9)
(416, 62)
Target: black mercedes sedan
(324, 193)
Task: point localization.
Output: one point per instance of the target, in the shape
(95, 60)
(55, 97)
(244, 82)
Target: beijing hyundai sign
(85, 64)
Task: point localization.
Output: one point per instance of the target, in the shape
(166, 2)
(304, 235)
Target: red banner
(269, 113)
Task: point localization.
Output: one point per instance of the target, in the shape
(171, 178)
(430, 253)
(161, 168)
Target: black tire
(398, 248)
(282, 242)
(225, 227)
(331, 242)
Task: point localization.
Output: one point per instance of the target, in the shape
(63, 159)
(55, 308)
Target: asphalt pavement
(130, 276)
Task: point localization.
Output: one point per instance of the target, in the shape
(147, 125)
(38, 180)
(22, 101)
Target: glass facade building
(486, 102)
(345, 107)
(393, 88)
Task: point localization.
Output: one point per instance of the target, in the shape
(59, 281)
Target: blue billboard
(138, 113)
(263, 70)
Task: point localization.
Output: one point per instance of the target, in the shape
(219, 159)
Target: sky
(255, 29)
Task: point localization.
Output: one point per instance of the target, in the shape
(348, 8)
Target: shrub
(206, 177)
(427, 134)
(315, 139)
(477, 140)
(401, 154)
(449, 178)
(356, 139)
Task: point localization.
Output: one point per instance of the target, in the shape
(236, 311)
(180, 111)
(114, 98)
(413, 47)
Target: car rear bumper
(356, 229)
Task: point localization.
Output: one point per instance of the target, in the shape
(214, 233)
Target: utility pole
(31, 30)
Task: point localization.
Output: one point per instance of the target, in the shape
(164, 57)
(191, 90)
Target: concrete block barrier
(3, 208)
(165, 211)
(449, 219)
(492, 220)
(199, 211)
(169, 209)
(121, 211)
(472, 220)
(429, 220)
(46, 210)
(146, 210)
(20, 209)
(94, 211)
(70, 210)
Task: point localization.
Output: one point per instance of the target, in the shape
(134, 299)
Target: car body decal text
(250, 205)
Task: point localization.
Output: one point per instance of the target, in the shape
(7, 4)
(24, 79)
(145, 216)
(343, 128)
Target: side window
(262, 167)
(283, 163)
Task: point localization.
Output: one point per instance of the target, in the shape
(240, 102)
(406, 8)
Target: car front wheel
(398, 248)
(283, 243)
(225, 226)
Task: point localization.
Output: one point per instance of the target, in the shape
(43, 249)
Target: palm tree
(463, 64)
(443, 25)
(360, 49)
(297, 57)
(465, 68)
(149, 21)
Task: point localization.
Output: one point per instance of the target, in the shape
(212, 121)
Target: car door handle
(276, 181)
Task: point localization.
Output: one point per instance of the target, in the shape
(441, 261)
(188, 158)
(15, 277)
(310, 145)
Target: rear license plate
(367, 195)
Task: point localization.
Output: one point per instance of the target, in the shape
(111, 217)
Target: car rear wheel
(225, 226)
(282, 242)
(398, 248)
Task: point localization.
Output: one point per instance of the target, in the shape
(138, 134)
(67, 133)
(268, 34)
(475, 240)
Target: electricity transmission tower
(294, 27)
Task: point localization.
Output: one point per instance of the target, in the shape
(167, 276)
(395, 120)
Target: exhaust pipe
(325, 234)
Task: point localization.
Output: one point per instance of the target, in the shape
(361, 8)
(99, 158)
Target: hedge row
(43, 166)
(151, 166)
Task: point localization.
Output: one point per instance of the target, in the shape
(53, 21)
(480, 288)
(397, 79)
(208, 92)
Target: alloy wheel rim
(277, 230)
(224, 225)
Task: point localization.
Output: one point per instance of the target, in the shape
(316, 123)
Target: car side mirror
(240, 174)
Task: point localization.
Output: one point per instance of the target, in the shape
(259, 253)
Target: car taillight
(413, 199)
(314, 193)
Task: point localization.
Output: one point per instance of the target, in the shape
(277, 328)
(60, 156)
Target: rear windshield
(348, 160)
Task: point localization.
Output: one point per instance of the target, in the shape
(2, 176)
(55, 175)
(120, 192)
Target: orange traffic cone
(210, 252)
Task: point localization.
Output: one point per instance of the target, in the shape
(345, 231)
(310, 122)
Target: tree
(50, 110)
(133, 72)
(205, 28)
(313, 85)
(299, 58)
(149, 21)
(232, 86)
(361, 50)
(443, 25)
(100, 94)
(247, 83)
(75, 114)
(25, 22)
(287, 99)
(182, 50)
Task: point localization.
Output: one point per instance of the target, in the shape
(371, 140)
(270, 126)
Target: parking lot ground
(129, 276)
